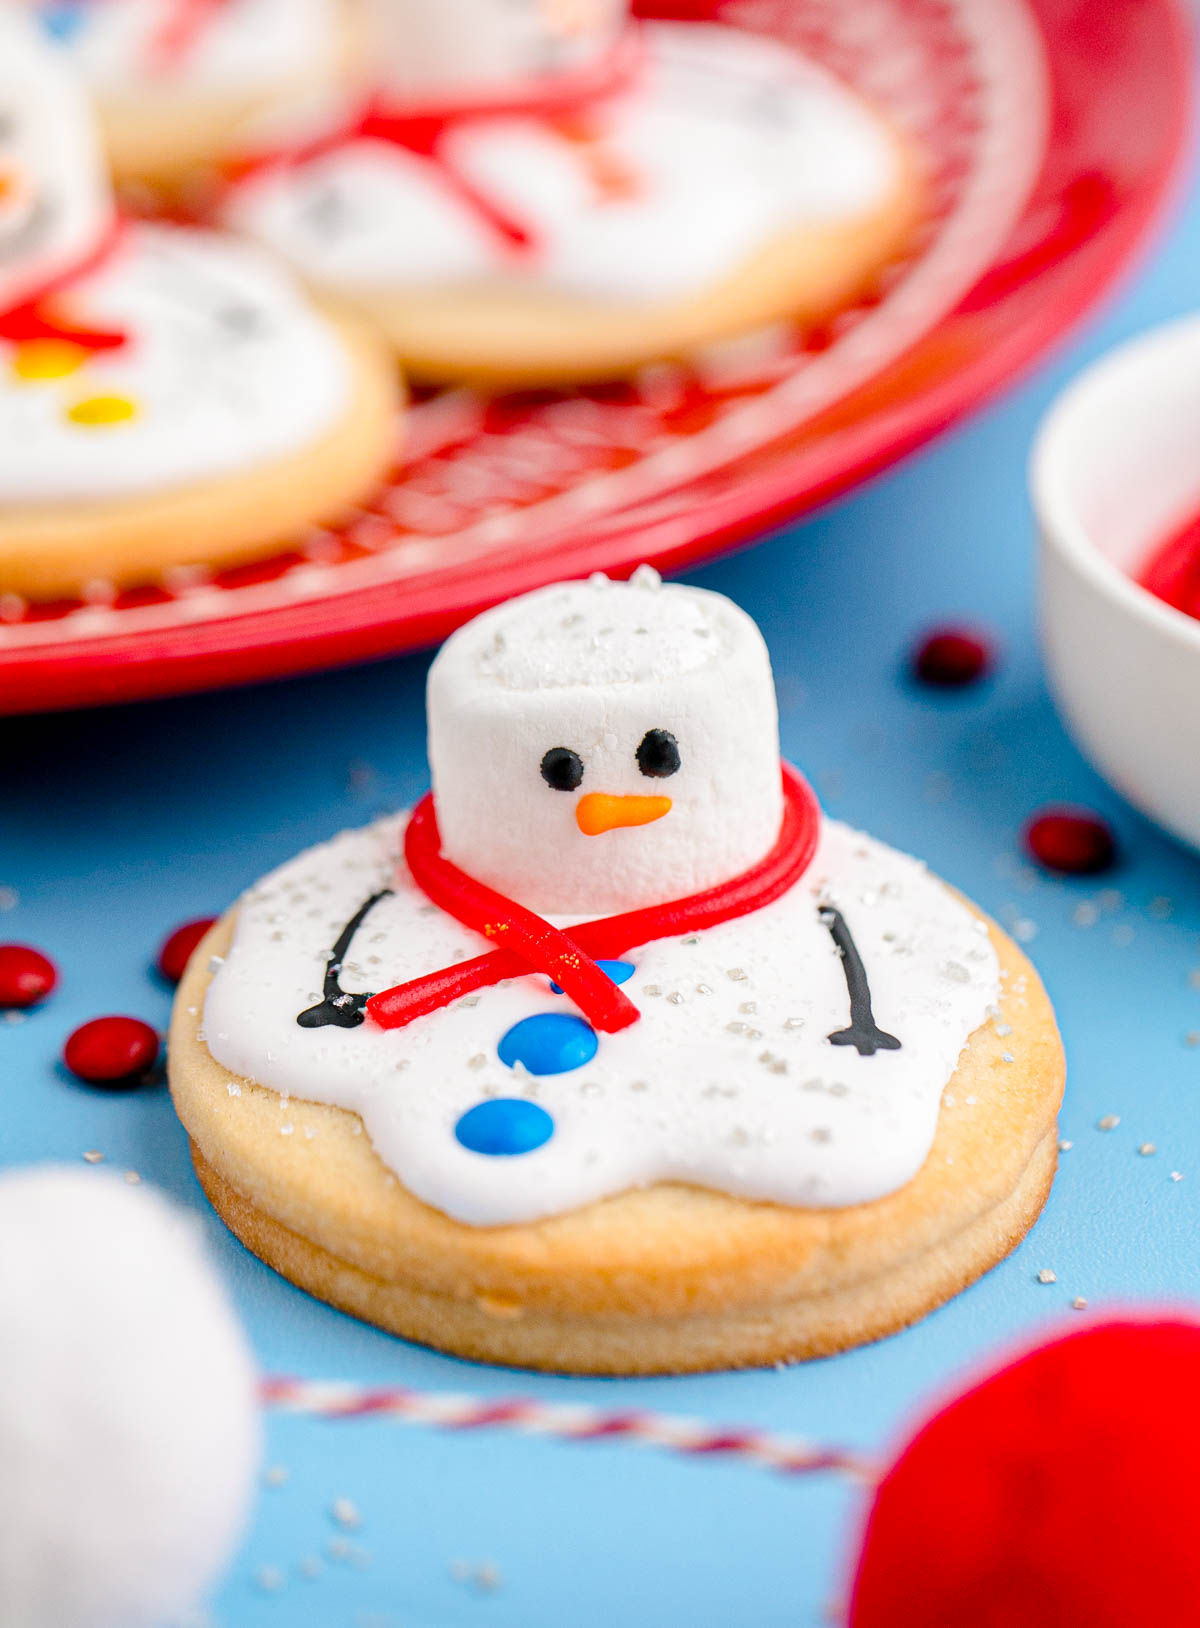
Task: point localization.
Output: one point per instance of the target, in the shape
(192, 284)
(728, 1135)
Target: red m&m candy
(176, 951)
(952, 657)
(1073, 841)
(26, 975)
(111, 1050)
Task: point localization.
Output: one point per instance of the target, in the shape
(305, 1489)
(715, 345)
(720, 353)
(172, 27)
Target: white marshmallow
(593, 667)
(54, 198)
(129, 1430)
(464, 47)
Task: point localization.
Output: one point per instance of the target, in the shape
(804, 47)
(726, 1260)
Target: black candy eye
(562, 769)
(658, 755)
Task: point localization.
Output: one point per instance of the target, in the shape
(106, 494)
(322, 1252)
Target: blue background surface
(115, 826)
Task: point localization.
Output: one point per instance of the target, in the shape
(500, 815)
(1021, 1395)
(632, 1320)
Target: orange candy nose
(598, 812)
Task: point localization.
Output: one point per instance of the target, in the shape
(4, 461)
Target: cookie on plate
(539, 195)
(167, 397)
(181, 85)
(615, 1055)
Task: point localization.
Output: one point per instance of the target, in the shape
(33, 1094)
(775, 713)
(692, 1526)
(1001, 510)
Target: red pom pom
(1060, 1493)
(176, 951)
(26, 975)
(951, 657)
(111, 1050)
(1071, 840)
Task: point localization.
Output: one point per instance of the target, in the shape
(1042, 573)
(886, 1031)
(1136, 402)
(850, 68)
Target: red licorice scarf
(33, 317)
(529, 944)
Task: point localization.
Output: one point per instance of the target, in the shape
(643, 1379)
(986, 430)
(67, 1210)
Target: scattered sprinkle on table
(345, 1513)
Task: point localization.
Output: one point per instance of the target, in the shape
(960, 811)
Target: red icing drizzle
(423, 130)
(33, 317)
(532, 945)
(181, 30)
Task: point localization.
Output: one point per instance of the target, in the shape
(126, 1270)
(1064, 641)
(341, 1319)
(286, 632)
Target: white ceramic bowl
(1116, 468)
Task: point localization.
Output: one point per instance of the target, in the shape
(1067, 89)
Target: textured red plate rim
(1108, 172)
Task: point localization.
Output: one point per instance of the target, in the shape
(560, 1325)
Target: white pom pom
(129, 1429)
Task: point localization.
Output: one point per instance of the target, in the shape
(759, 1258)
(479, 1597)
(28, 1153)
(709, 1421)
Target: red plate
(1053, 128)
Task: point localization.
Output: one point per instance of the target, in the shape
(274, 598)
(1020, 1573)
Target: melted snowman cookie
(166, 397)
(614, 1032)
(716, 182)
(182, 84)
(223, 365)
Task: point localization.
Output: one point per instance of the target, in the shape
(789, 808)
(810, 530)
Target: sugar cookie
(617, 1056)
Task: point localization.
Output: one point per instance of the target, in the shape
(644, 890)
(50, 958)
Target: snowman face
(53, 199)
(601, 746)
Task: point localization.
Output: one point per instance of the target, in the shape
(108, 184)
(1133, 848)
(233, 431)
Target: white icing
(227, 367)
(728, 139)
(419, 49)
(241, 46)
(592, 666)
(54, 198)
(734, 1086)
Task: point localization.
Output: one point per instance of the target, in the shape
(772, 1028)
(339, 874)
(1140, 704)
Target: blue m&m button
(549, 1043)
(619, 971)
(504, 1126)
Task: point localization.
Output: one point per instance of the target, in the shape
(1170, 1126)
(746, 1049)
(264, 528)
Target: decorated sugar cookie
(542, 191)
(615, 1055)
(181, 84)
(166, 397)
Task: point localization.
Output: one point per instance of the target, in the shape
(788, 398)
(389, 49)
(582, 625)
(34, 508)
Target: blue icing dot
(619, 971)
(549, 1043)
(504, 1126)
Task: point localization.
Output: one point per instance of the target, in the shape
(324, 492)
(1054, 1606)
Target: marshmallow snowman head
(54, 198)
(601, 746)
(459, 48)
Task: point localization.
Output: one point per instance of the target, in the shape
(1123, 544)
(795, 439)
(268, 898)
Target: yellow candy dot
(47, 359)
(102, 410)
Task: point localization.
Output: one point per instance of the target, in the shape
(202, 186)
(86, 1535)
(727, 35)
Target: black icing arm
(346, 1009)
(863, 1033)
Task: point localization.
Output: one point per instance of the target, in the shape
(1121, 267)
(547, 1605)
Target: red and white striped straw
(565, 1421)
